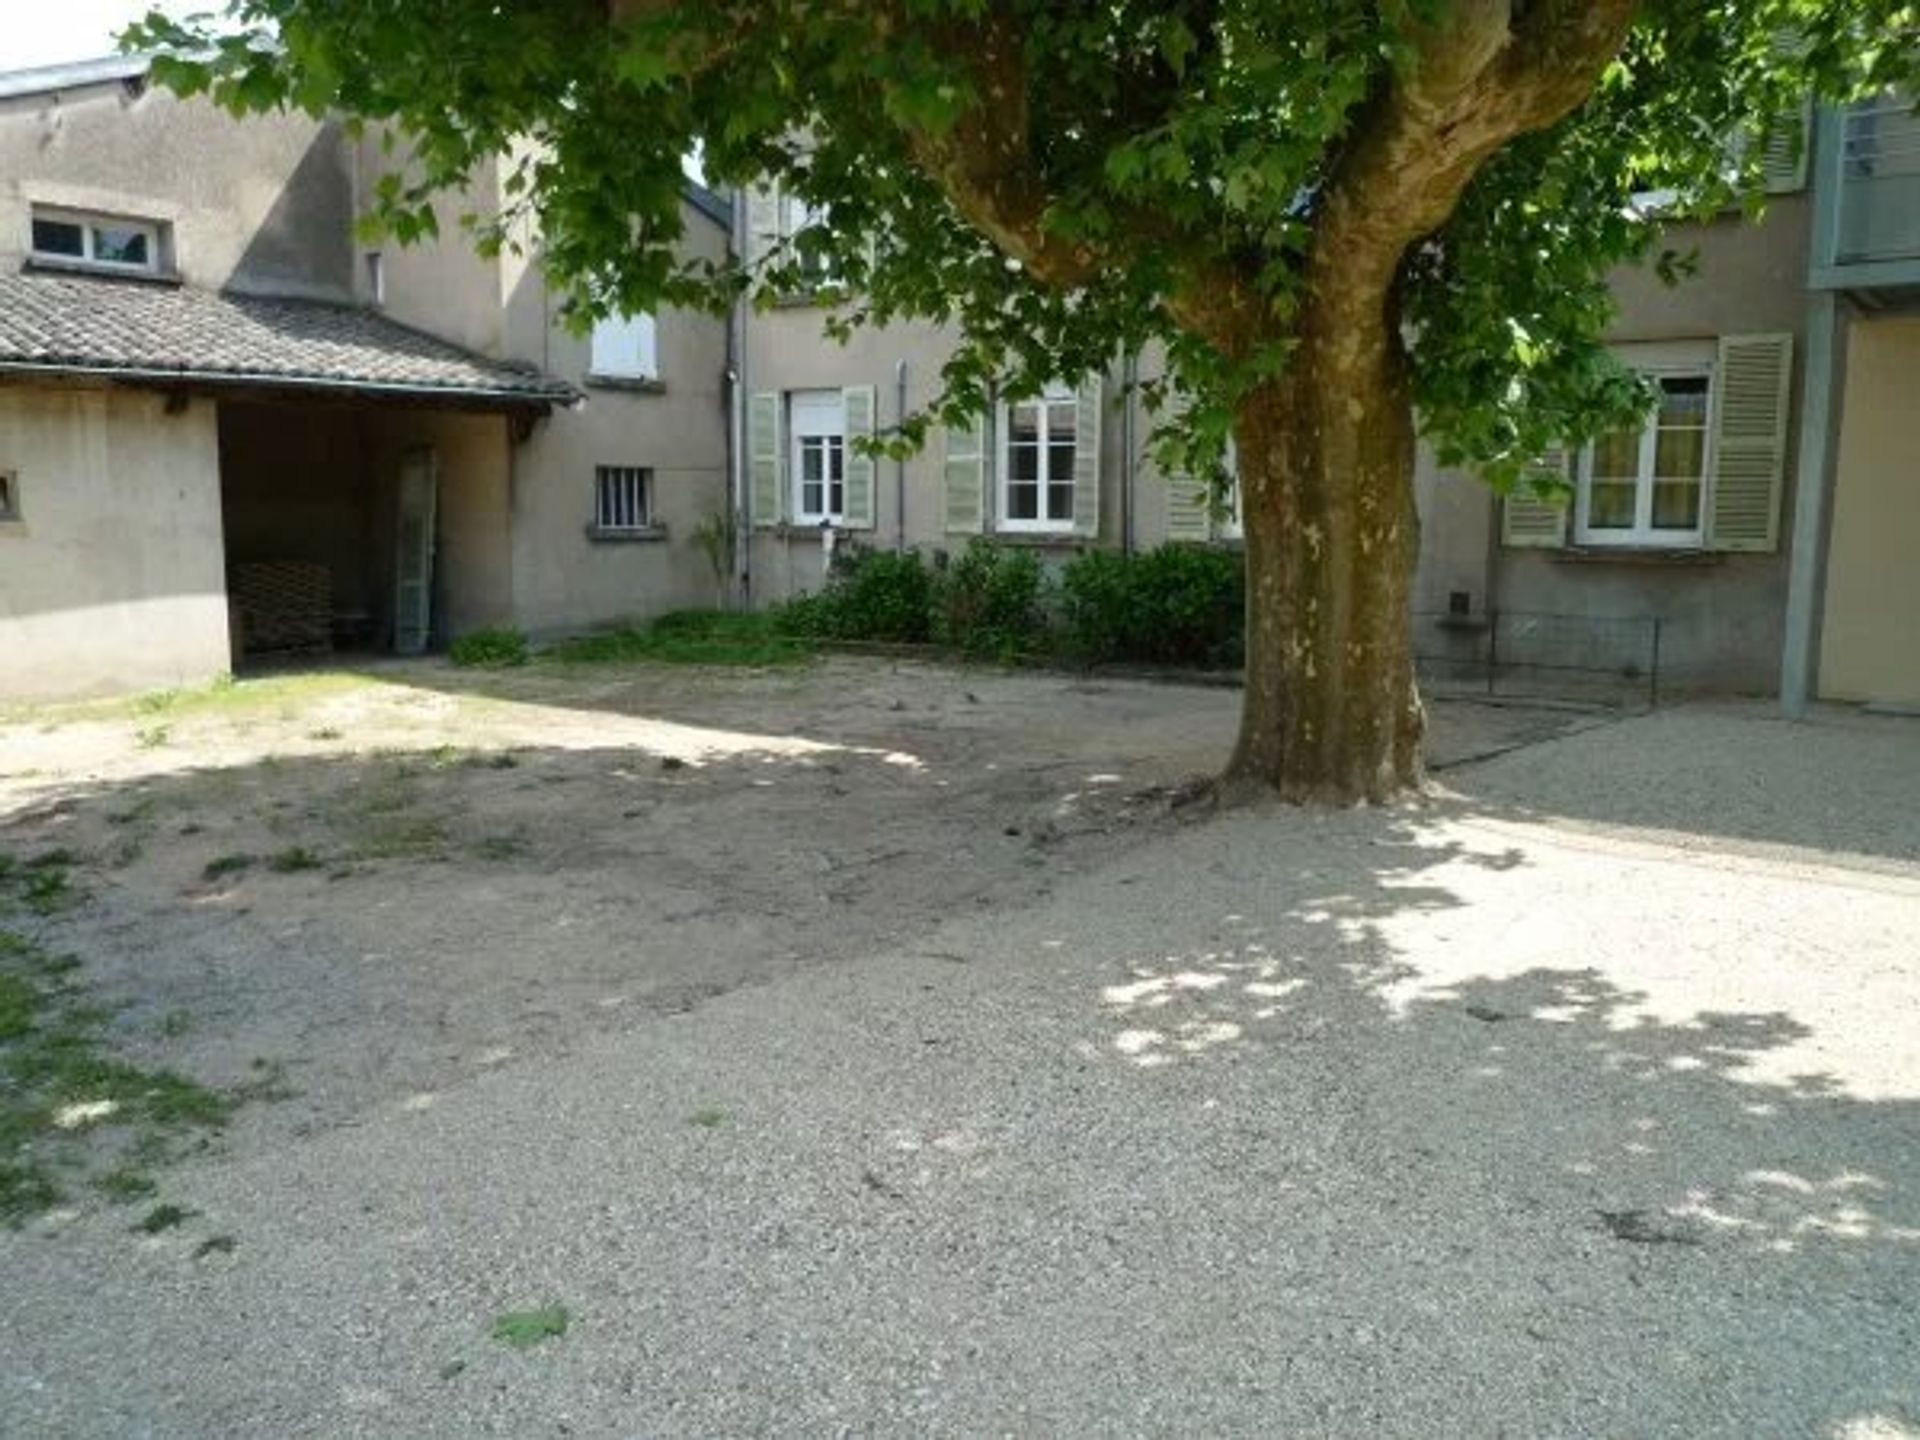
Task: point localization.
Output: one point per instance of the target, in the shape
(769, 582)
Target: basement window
(623, 503)
(101, 242)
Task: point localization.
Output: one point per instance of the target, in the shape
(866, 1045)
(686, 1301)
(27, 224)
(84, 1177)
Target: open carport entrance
(362, 528)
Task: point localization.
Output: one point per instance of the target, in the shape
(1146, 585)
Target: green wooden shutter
(1086, 456)
(764, 451)
(1189, 509)
(1749, 441)
(763, 223)
(1530, 521)
(966, 479)
(859, 403)
(1784, 165)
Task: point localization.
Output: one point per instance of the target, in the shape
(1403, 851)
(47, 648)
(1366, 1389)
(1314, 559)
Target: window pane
(1023, 501)
(1060, 500)
(1610, 506)
(1023, 463)
(1680, 454)
(1060, 422)
(1676, 505)
(1617, 456)
(1025, 425)
(57, 237)
(1683, 400)
(116, 246)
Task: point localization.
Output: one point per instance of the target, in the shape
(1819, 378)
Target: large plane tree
(1343, 221)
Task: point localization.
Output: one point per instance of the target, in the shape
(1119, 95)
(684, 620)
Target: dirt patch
(386, 883)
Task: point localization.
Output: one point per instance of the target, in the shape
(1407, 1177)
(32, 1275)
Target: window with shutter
(1750, 442)
(764, 451)
(818, 421)
(625, 348)
(964, 471)
(858, 404)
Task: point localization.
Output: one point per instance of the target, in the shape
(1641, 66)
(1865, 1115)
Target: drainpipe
(1129, 375)
(900, 462)
(739, 496)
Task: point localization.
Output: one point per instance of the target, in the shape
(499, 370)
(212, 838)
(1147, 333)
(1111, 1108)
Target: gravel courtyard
(878, 1048)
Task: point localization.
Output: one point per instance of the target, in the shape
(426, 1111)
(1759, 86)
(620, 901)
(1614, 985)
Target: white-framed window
(1647, 485)
(9, 497)
(622, 499)
(1037, 442)
(801, 216)
(70, 237)
(818, 422)
(625, 347)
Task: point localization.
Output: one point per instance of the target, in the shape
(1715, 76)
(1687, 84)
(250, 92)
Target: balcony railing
(1877, 187)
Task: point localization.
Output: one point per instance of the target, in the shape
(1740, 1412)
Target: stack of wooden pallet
(284, 607)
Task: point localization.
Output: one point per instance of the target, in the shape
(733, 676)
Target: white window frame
(622, 500)
(1642, 534)
(818, 419)
(89, 225)
(625, 347)
(797, 216)
(1054, 395)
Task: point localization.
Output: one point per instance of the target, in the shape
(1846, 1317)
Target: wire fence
(1527, 655)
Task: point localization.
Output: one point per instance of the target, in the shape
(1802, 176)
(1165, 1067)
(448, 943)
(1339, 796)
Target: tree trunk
(1326, 456)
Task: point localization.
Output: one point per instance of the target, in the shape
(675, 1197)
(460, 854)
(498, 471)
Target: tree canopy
(1065, 181)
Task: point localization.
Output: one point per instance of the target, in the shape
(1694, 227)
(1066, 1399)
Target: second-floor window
(72, 238)
(1037, 461)
(1646, 485)
(818, 419)
(625, 347)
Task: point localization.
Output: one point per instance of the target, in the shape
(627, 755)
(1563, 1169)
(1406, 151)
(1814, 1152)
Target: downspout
(1129, 375)
(739, 496)
(900, 461)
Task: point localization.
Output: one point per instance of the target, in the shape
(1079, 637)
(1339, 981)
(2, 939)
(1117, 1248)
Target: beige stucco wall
(112, 580)
(263, 204)
(1870, 643)
(1722, 616)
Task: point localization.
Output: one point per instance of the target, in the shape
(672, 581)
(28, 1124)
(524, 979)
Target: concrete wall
(263, 204)
(1870, 648)
(1722, 615)
(111, 581)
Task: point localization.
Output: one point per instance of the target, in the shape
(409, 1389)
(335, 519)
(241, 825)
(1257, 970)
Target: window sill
(1042, 539)
(45, 265)
(634, 384)
(626, 537)
(1653, 555)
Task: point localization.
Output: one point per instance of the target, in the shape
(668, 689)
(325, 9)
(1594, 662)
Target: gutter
(739, 496)
(238, 380)
(1129, 377)
(900, 463)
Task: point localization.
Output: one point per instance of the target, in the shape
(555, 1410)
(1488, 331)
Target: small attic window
(97, 241)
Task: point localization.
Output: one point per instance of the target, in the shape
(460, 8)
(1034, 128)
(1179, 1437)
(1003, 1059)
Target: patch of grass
(153, 736)
(124, 1186)
(227, 865)
(176, 1023)
(62, 1086)
(215, 1245)
(499, 847)
(161, 1219)
(689, 637)
(708, 1118)
(402, 839)
(325, 732)
(292, 860)
(491, 648)
(524, 1328)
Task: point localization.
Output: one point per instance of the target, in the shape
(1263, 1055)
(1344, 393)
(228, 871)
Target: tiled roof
(159, 333)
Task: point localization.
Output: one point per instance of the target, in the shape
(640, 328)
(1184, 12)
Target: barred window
(623, 498)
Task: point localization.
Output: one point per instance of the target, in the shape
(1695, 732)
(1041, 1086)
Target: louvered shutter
(763, 458)
(1784, 165)
(859, 402)
(1530, 521)
(1086, 456)
(966, 479)
(1189, 514)
(763, 223)
(1750, 441)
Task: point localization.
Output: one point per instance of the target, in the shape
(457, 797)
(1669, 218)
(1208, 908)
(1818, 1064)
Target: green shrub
(991, 600)
(491, 648)
(687, 637)
(870, 595)
(1177, 605)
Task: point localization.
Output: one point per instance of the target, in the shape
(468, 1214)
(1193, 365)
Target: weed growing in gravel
(162, 1218)
(499, 847)
(153, 737)
(293, 859)
(68, 1105)
(227, 865)
(708, 1118)
(524, 1328)
(325, 732)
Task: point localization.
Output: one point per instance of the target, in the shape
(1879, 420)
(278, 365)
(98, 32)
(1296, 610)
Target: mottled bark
(1332, 714)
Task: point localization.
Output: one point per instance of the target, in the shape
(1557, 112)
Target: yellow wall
(1870, 647)
(111, 579)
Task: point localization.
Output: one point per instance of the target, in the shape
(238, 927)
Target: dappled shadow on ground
(1589, 1057)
